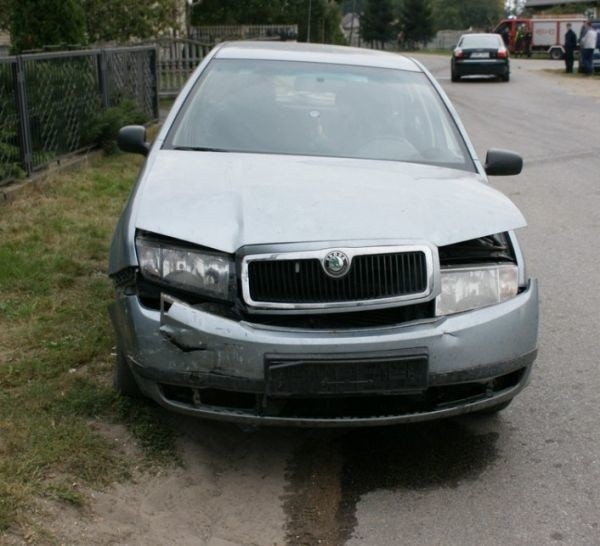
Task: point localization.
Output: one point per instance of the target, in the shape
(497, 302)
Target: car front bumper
(188, 348)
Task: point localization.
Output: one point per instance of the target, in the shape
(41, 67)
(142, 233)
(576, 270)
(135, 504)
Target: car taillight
(459, 53)
(502, 54)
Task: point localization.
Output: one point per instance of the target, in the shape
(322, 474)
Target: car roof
(480, 34)
(294, 51)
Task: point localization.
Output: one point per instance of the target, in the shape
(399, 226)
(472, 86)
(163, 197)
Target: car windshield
(285, 107)
(480, 42)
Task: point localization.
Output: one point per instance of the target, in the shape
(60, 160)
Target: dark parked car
(313, 241)
(479, 55)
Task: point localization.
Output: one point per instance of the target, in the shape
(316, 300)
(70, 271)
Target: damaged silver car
(312, 241)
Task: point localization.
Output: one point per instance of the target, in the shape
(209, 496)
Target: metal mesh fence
(49, 102)
(218, 33)
(62, 98)
(132, 75)
(10, 154)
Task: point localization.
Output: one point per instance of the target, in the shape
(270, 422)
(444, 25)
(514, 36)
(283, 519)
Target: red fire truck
(545, 33)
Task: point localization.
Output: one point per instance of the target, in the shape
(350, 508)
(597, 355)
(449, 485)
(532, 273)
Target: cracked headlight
(465, 288)
(185, 268)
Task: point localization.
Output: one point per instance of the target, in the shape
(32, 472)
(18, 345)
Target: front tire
(123, 380)
(556, 54)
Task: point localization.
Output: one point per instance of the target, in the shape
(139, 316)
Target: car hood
(228, 200)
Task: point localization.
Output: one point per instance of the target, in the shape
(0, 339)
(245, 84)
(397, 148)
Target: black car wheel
(556, 54)
(454, 76)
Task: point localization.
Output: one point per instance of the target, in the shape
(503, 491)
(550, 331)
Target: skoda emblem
(336, 263)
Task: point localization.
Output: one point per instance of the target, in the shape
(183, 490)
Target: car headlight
(188, 269)
(468, 288)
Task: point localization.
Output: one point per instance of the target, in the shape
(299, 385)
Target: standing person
(519, 40)
(570, 45)
(527, 40)
(506, 37)
(586, 46)
(582, 32)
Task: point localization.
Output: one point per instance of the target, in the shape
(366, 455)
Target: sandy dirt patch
(574, 84)
(582, 86)
(226, 492)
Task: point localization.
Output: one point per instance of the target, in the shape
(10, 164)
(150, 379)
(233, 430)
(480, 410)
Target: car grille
(370, 277)
(389, 316)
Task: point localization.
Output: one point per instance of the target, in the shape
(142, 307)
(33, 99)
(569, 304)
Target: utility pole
(189, 7)
(308, 22)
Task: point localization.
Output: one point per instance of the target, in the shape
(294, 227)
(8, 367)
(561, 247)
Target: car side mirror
(503, 163)
(132, 139)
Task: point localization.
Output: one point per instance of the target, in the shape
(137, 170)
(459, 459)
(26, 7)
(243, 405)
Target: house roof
(544, 3)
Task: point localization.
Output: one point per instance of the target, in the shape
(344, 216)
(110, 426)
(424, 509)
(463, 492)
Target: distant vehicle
(480, 54)
(547, 33)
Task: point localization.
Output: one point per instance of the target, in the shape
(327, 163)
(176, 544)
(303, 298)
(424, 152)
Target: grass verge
(57, 346)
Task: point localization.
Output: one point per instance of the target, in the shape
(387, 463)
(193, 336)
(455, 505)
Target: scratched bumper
(190, 348)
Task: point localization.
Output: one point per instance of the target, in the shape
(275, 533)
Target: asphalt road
(528, 476)
(531, 475)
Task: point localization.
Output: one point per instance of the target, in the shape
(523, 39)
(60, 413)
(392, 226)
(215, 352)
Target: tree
(324, 16)
(376, 22)
(324, 21)
(235, 12)
(332, 19)
(5, 12)
(462, 14)
(416, 22)
(122, 20)
(36, 23)
(347, 6)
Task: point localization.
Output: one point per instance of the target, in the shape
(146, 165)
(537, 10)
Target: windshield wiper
(199, 149)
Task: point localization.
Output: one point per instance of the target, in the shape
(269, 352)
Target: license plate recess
(346, 374)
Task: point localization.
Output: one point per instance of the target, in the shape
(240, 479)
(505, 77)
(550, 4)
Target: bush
(10, 156)
(105, 124)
